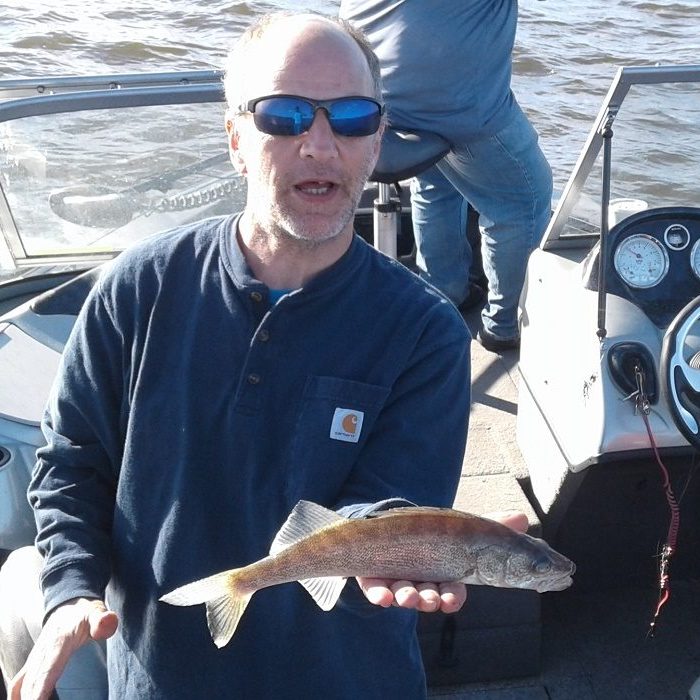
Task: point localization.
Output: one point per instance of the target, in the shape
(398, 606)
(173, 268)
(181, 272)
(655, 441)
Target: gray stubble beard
(280, 224)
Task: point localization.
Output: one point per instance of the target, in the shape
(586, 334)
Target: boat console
(610, 355)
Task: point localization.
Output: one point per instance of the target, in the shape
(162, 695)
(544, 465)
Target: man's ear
(233, 138)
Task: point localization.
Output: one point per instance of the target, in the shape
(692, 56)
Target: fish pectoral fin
(223, 615)
(325, 590)
(305, 519)
(471, 576)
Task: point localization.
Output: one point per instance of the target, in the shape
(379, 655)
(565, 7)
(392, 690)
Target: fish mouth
(558, 585)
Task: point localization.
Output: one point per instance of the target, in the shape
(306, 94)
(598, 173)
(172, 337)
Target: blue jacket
(188, 418)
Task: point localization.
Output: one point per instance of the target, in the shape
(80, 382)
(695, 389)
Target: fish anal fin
(223, 616)
(325, 590)
(305, 519)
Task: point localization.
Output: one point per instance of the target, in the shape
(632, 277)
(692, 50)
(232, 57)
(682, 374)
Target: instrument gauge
(677, 237)
(641, 261)
(695, 259)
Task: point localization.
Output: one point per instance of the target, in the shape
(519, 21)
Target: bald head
(283, 40)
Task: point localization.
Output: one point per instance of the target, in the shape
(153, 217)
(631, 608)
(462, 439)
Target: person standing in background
(446, 68)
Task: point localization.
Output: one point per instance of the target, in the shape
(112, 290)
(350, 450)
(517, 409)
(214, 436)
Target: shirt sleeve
(73, 484)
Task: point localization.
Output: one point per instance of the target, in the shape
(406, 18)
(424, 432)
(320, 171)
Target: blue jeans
(507, 179)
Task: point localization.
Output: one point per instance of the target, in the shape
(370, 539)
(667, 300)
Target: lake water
(567, 51)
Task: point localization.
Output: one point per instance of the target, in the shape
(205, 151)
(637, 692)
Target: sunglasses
(290, 115)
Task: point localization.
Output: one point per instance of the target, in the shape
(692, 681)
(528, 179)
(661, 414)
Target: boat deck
(595, 643)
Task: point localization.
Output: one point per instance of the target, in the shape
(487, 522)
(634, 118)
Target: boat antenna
(607, 133)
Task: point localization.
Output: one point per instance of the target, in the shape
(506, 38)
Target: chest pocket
(335, 418)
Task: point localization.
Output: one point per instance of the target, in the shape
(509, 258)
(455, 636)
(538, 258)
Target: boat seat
(68, 298)
(32, 338)
(404, 154)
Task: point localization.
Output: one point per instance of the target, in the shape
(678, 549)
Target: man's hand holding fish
(429, 597)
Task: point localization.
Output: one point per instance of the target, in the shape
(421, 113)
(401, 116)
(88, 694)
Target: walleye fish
(321, 549)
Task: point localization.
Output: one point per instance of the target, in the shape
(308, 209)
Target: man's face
(305, 187)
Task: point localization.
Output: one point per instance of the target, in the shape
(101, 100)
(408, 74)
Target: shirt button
(264, 335)
(256, 296)
(253, 378)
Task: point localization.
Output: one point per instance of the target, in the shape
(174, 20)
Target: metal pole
(606, 133)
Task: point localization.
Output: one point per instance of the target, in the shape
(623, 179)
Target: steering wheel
(680, 378)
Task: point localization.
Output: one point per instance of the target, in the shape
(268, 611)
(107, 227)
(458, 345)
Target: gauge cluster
(654, 260)
(641, 259)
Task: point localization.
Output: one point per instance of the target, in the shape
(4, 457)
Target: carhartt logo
(346, 425)
(350, 423)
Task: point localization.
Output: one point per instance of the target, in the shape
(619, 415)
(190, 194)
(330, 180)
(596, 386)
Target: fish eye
(543, 565)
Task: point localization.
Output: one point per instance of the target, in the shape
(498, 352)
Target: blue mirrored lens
(283, 116)
(291, 116)
(355, 117)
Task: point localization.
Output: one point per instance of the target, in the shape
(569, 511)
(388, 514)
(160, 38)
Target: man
(449, 71)
(199, 399)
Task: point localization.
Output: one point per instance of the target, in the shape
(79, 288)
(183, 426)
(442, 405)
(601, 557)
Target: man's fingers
(405, 594)
(39, 676)
(452, 596)
(376, 591)
(428, 597)
(513, 519)
(68, 628)
(103, 624)
(446, 597)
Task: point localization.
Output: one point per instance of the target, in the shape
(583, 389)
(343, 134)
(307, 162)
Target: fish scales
(401, 546)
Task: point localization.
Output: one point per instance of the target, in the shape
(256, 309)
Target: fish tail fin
(225, 602)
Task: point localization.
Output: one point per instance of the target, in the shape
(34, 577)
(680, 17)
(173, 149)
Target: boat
(592, 429)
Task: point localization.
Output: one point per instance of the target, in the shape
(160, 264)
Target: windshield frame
(626, 77)
(21, 98)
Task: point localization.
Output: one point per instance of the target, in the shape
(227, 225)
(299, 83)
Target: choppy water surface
(566, 54)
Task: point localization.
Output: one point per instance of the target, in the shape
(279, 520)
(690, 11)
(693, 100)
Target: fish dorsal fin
(325, 591)
(304, 520)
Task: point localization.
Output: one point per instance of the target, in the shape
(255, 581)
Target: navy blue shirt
(190, 415)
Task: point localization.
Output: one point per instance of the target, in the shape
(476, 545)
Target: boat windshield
(652, 118)
(89, 165)
(85, 172)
